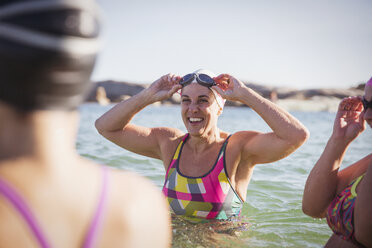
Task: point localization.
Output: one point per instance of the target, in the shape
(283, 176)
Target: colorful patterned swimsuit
(207, 197)
(340, 213)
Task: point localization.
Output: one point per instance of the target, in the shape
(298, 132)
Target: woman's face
(199, 109)
(368, 111)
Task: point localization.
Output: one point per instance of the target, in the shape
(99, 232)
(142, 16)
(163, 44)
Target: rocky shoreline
(291, 99)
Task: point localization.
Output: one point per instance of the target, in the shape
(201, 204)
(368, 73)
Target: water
(273, 206)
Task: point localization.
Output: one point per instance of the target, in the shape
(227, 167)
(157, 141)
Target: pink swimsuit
(210, 196)
(340, 213)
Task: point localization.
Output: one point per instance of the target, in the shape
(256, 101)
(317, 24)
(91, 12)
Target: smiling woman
(207, 169)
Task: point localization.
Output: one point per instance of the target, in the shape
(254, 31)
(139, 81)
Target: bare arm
(347, 175)
(324, 179)
(288, 133)
(115, 124)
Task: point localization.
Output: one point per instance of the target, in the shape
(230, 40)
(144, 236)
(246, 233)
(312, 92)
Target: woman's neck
(203, 142)
(41, 135)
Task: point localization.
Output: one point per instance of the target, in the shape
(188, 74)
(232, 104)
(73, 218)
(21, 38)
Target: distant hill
(117, 91)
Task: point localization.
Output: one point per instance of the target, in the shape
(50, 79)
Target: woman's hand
(164, 87)
(349, 122)
(228, 87)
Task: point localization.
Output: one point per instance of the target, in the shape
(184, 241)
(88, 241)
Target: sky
(279, 43)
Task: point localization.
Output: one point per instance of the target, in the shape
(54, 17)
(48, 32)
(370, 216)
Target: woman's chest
(199, 165)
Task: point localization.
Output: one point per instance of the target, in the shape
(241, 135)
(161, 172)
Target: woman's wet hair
(48, 50)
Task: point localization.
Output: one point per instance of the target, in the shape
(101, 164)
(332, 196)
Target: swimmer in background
(49, 195)
(344, 196)
(207, 169)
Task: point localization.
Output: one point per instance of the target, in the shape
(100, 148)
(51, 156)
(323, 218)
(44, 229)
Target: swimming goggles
(366, 104)
(202, 79)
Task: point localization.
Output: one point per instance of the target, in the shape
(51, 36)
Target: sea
(272, 214)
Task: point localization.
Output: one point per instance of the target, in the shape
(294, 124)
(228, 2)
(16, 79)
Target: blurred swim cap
(48, 50)
(220, 100)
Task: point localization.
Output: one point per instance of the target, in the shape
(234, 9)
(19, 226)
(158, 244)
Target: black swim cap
(48, 50)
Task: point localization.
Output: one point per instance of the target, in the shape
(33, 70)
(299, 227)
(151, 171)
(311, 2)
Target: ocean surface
(273, 206)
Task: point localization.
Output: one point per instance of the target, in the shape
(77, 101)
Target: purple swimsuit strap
(96, 222)
(20, 205)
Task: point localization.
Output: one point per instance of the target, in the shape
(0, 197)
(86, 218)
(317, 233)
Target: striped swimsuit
(207, 197)
(340, 213)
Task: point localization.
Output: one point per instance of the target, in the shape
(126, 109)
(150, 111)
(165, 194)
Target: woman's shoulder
(168, 133)
(238, 140)
(124, 184)
(133, 193)
(361, 166)
(130, 183)
(353, 171)
(136, 206)
(368, 158)
(368, 162)
(240, 136)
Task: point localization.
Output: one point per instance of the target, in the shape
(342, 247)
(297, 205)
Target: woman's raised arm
(115, 123)
(288, 133)
(325, 179)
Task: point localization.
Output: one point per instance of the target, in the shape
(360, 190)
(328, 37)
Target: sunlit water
(273, 206)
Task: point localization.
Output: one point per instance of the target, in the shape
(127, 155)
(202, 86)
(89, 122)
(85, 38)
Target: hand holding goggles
(366, 104)
(202, 79)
